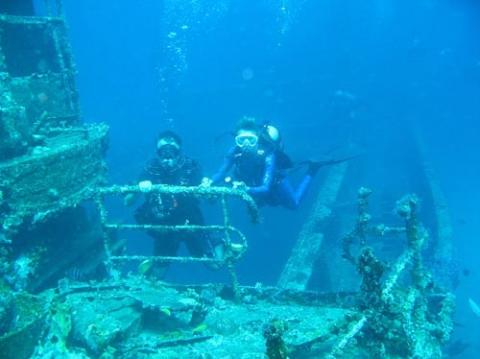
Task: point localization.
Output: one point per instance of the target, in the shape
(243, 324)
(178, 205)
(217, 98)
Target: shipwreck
(54, 220)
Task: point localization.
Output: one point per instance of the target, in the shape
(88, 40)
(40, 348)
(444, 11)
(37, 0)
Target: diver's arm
(227, 165)
(195, 173)
(144, 183)
(267, 177)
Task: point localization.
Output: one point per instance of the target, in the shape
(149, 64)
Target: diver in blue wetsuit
(259, 166)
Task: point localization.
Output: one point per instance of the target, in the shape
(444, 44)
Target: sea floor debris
(138, 318)
(51, 164)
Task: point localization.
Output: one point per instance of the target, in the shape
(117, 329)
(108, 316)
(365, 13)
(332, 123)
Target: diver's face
(246, 140)
(168, 153)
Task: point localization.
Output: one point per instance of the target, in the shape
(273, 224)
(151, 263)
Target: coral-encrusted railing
(219, 194)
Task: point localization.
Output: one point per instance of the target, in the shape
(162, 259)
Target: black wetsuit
(166, 209)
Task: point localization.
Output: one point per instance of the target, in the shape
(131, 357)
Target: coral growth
(408, 322)
(273, 334)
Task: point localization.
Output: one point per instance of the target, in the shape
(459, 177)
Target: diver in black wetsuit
(171, 166)
(260, 167)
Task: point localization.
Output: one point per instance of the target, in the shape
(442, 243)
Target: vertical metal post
(58, 48)
(62, 48)
(442, 245)
(226, 220)
(112, 272)
(228, 241)
(415, 238)
(363, 215)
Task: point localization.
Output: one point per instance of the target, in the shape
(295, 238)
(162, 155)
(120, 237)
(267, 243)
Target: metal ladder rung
(171, 228)
(166, 259)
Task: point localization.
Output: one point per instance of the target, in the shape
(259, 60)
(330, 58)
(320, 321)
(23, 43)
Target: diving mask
(167, 148)
(246, 139)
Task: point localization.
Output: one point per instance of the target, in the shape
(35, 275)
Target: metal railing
(218, 194)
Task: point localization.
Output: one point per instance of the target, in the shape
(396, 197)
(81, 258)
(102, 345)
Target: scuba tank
(273, 139)
(270, 137)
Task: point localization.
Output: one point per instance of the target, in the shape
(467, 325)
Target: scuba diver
(260, 166)
(170, 166)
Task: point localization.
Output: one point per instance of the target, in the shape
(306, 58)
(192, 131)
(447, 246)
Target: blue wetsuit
(266, 182)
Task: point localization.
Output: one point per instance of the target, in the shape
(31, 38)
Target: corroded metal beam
(181, 228)
(442, 241)
(299, 267)
(355, 328)
(30, 20)
(165, 259)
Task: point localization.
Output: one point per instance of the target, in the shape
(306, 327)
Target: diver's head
(169, 149)
(247, 134)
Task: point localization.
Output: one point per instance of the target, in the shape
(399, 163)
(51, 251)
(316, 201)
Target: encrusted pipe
(409, 323)
(416, 236)
(176, 228)
(195, 191)
(354, 330)
(179, 228)
(392, 280)
(407, 209)
(164, 259)
(364, 217)
(361, 225)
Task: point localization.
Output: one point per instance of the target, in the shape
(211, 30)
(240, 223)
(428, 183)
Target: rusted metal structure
(49, 158)
(50, 161)
(230, 234)
(51, 164)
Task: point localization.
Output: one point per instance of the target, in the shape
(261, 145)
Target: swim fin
(314, 166)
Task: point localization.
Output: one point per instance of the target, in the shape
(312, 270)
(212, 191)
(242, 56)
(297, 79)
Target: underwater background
(358, 75)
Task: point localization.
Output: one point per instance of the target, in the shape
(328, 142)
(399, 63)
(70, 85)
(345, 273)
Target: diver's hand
(129, 199)
(145, 186)
(239, 185)
(206, 182)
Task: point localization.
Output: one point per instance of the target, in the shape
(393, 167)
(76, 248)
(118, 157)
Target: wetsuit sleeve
(267, 177)
(227, 165)
(146, 174)
(196, 175)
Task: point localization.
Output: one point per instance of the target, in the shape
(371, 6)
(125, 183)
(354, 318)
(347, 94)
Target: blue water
(349, 74)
